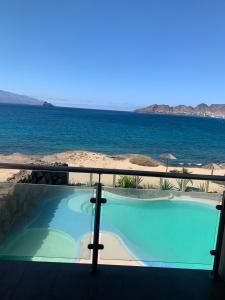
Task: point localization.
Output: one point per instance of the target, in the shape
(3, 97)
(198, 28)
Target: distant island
(213, 110)
(47, 104)
(12, 98)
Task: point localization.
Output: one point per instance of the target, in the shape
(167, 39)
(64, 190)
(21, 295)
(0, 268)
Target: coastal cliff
(213, 110)
(12, 98)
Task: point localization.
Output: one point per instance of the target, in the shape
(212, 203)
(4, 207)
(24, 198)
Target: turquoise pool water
(55, 231)
(163, 232)
(159, 233)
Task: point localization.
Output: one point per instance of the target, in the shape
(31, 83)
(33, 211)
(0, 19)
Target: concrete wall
(20, 201)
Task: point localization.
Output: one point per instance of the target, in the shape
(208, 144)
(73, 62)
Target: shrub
(202, 187)
(142, 160)
(129, 181)
(174, 171)
(166, 185)
(182, 183)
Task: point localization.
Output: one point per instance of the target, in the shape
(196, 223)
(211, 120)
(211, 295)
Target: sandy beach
(93, 159)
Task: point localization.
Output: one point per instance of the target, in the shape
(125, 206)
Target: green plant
(166, 185)
(202, 187)
(142, 160)
(129, 181)
(179, 184)
(174, 171)
(182, 183)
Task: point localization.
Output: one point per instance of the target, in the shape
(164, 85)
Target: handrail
(99, 171)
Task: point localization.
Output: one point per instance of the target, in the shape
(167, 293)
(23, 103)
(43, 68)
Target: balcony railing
(97, 216)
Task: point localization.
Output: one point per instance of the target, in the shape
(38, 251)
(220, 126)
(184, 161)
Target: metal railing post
(114, 180)
(97, 217)
(160, 183)
(136, 181)
(217, 252)
(91, 179)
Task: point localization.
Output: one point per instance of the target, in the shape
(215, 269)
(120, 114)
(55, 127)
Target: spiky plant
(202, 187)
(166, 185)
(129, 181)
(182, 183)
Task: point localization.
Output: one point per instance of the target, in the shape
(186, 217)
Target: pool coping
(172, 197)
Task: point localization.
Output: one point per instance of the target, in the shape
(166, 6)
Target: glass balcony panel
(45, 222)
(172, 226)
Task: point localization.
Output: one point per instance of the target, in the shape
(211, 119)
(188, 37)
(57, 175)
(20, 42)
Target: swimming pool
(173, 233)
(169, 233)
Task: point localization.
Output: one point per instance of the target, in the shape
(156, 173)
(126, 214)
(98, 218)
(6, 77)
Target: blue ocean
(43, 130)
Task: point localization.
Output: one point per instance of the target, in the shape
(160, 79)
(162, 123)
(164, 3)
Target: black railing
(98, 200)
(218, 251)
(106, 171)
(96, 246)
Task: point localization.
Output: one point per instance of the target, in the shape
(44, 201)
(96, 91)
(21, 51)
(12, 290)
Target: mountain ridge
(202, 109)
(13, 98)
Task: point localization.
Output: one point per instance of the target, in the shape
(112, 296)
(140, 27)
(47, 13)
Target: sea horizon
(35, 130)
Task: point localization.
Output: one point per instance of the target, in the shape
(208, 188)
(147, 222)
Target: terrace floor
(27, 280)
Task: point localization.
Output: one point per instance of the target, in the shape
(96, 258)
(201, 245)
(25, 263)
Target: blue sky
(115, 54)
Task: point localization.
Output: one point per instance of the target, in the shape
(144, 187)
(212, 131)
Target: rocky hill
(12, 98)
(213, 110)
(47, 104)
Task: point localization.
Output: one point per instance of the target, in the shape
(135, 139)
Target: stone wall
(41, 177)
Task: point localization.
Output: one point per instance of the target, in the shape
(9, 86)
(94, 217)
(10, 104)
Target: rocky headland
(213, 110)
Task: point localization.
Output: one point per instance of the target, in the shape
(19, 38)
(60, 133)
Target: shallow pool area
(174, 233)
(168, 232)
(54, 232)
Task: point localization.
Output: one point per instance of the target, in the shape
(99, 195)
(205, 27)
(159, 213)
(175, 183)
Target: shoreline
(27, 158)
(100, 160)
